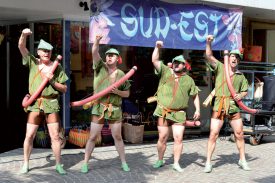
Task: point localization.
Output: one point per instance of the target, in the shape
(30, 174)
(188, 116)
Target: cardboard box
(253, 53)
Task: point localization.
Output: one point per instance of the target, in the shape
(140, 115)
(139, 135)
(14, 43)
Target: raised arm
(155, 55)
(95, 49)
(208, 52)
(22, 42)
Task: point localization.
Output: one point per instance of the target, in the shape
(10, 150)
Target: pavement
(105, 164)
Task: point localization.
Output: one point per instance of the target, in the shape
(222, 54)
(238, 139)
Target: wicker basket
(133, 134)
(80, 137)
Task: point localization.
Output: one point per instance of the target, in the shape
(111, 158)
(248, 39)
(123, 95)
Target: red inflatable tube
(105, 91)
(232, 90)
(192, 123)
(29, 99)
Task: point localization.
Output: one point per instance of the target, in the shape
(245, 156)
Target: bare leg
(215, 127)
(178, 131)
(116, 133)
(95, 129)
(55, 140)
(163, 136)
(237, 126)
(28, 142)
(34, 118)
(53, 127)
(214, 133)
(163, 131)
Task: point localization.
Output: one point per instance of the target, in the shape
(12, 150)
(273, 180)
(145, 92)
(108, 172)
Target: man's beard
(178, 71)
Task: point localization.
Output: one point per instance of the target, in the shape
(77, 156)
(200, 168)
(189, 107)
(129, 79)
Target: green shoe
(177, 167)
(24, 169)
(60, 170)
(125, 167)
(159, 164)
(243, 164)
(207, 168)
(85, 168)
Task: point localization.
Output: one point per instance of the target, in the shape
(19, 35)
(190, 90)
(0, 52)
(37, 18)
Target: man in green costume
(175, 88)
(107, 107)
(225, 105)
(46, 107)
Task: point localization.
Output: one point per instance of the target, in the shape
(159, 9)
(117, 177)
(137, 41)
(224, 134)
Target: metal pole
(8, 67)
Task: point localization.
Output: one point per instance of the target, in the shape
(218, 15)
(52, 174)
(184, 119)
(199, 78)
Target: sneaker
(177, 167)
(24, 169)
(125, 167)
(85, 168)
(60, 170)
(207, 168)
(159, 164)
(243, 164)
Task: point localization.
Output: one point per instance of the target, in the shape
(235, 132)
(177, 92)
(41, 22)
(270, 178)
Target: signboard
(179, 26)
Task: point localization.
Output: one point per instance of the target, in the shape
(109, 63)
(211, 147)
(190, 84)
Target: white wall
(263, 4)
(32, 10)
(41, 9)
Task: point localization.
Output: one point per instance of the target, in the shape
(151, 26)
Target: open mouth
(46, 58)
(234, 62)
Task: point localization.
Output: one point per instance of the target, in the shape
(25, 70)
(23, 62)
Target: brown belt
(41, 98)
(107, 107)
(222, 104)
(166, 110)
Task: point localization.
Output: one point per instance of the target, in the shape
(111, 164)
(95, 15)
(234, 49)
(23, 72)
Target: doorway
(14, 88)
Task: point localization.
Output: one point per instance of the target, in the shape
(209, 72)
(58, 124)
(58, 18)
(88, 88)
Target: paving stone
(105, 164)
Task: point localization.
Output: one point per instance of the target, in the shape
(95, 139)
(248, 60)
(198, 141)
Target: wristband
(226, 54)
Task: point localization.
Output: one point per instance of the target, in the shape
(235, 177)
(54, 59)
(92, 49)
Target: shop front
(133, 28)
(134, 35)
